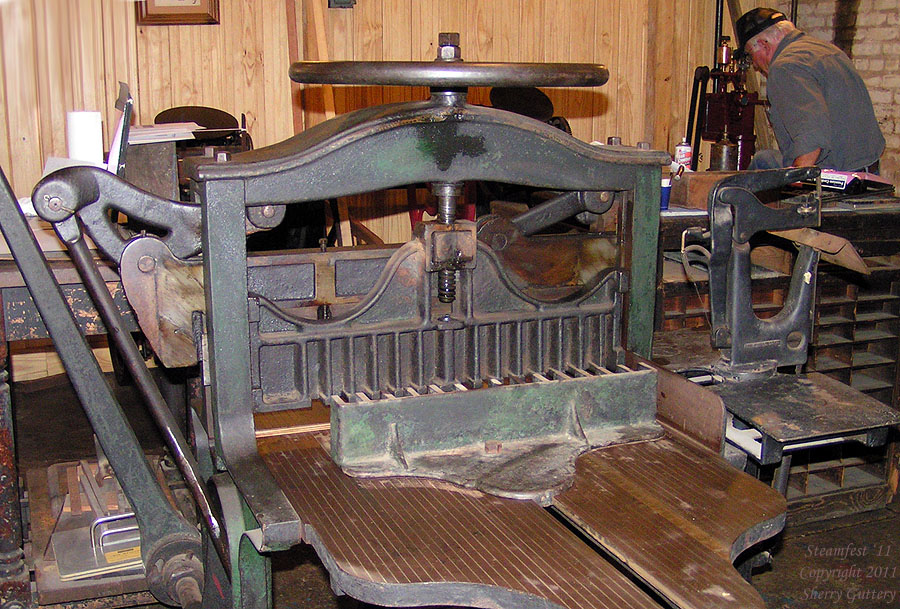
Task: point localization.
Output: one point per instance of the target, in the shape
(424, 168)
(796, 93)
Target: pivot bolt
(146, 264)
(268, 211)
(54, 203)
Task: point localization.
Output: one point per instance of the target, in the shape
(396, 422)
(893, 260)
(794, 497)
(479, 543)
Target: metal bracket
(736, 214)
(516, 440)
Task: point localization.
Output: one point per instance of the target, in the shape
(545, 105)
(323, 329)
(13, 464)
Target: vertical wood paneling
(532, 31)
(401, 18)
(580, 102)
(479, 42)
(294, 41)
(119, 55)
(606, 52)
(240, 66)
(23, 155)
(558, 48)
(154, 92)
(507, 27)
(629, 81)
(69, 54)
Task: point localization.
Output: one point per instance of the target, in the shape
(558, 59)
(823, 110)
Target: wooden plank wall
(60, 55)
(650, 48)
(57, 56)
(239, 65)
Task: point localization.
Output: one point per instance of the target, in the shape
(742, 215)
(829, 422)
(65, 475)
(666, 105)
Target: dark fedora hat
(752, 23)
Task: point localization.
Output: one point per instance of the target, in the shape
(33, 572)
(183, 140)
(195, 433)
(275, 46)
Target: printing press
(497, 437)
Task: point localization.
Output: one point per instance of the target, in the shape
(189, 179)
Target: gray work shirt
(818, 100)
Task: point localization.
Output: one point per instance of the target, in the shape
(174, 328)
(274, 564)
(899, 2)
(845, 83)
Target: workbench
(855, 341)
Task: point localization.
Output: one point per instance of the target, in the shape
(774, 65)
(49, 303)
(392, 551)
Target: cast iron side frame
(375, 149)
(736, 214)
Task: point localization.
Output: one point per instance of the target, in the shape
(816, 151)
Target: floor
(846, 562)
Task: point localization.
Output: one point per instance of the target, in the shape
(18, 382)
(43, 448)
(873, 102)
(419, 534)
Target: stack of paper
(167, 132)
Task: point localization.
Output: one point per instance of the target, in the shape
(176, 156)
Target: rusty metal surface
(516, 440)
(164, 293)
(412, 541)
(676, 516)
(153, 167)
(684, 349)
(23, 322)
(793, 408)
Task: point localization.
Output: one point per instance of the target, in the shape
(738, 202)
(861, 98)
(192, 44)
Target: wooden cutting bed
(414, 541)
(676, 516)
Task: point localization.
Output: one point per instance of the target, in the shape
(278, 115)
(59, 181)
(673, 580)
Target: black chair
(221, 132)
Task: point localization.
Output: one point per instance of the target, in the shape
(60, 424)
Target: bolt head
(499, 242)
(449, 53)
(448, 39)
(54, 203)
(448, 46)
(146, 264)
(268, 211)
(493, 447)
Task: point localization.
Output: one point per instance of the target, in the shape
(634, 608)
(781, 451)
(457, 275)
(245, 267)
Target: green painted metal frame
(345, 156)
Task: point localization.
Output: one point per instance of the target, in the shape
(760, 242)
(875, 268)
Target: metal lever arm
(92, 192)
(559, 208)
(159, 410)
(165, 535)
(750, 215)
(449, 74)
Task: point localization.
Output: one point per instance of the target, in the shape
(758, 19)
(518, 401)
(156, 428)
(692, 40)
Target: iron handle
(456, 74)
(92, 193)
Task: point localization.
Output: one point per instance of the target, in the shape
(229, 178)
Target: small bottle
(684, 154)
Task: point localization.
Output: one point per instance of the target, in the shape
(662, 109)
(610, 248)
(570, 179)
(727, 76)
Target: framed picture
(177, 12)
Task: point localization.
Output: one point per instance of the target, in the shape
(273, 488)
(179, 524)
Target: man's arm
(798, 99)
(807, 160)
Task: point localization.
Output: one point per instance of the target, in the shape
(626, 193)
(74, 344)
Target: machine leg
(15, 587)
(251, 572)
(782, 473)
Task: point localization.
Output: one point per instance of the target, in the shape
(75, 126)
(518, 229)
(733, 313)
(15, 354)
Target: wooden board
(677, 516)
(692, 188)
(414, 541)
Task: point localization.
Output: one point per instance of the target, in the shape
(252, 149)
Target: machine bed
(672, 513)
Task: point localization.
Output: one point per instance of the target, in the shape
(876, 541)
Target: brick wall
(869, 32)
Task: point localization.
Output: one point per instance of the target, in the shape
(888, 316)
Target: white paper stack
(167, 132)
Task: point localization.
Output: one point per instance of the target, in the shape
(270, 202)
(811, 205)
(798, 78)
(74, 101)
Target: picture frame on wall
(177, 12)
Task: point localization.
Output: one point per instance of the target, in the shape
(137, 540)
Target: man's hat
(752, 23)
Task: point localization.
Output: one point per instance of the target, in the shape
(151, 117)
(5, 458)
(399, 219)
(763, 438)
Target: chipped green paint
(364, 432)
(645, 239)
